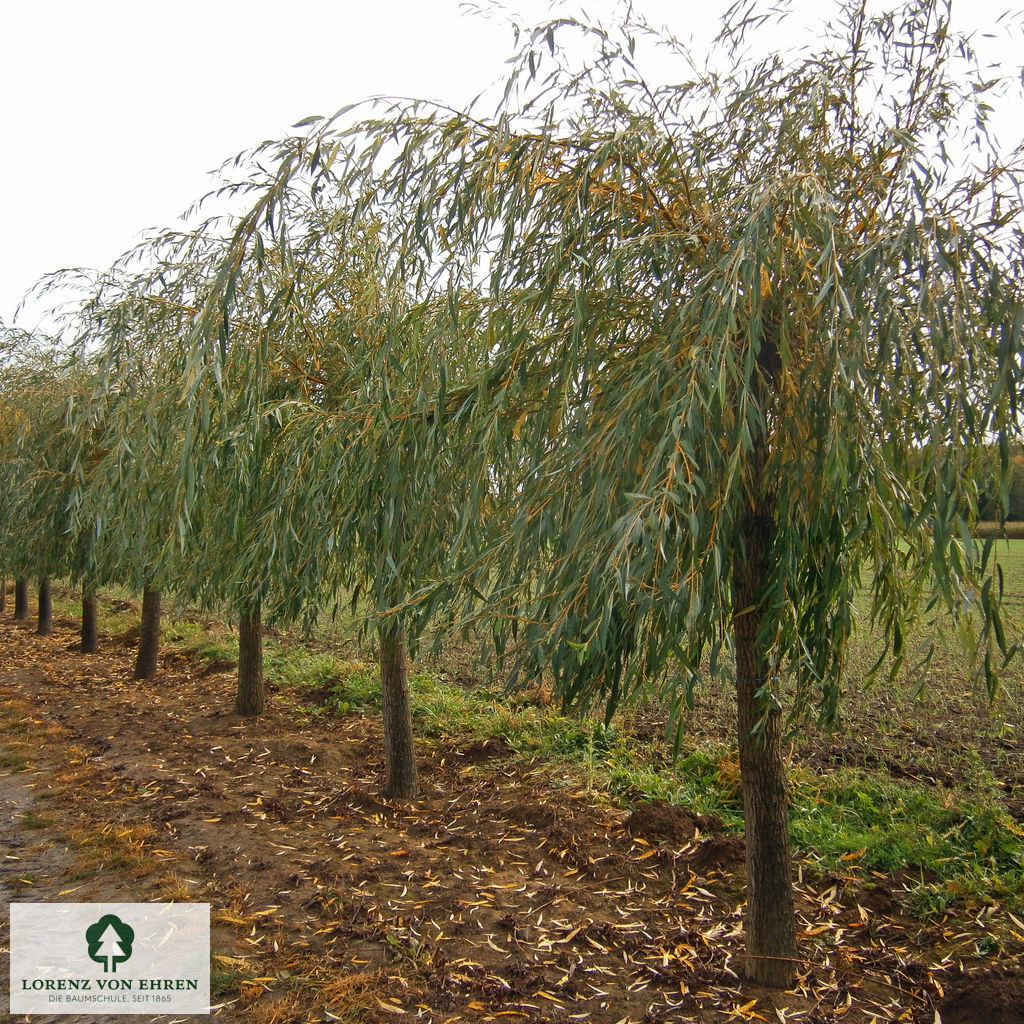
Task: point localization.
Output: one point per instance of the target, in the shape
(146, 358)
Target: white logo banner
(110, 957)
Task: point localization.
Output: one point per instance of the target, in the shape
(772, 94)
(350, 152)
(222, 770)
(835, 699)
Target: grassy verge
(948, 844)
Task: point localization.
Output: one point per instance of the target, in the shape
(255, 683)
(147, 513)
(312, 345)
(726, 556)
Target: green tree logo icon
(110, 941)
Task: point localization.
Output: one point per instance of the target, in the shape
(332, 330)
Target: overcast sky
(114, 112)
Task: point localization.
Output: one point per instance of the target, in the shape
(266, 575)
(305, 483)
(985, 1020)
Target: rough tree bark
(21, 599)
(770, 917)
(3, 594)
(90, 639)
(44, 620)
(251, 695)
(401, 779)
(149, 634)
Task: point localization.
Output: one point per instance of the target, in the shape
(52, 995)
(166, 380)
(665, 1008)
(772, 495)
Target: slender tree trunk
(90, 640)
(252, 691)
(401, 777)
(770, 917)
(45, 618)
(149, 634)
(21, 599)
(3, 594)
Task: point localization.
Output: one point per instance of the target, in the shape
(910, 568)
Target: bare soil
(506, 892)
(996, 997)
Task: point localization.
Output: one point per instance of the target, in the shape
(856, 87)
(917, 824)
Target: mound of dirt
(992, 996)
(659, 819)
(879, 899)
(719, 853)
(535, 815)
(215, 666)
(487, 750)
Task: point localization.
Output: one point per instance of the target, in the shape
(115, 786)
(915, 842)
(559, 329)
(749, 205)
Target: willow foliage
(789, 284)
(41, 380)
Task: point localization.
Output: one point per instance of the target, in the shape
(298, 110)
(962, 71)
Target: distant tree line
(991, 504)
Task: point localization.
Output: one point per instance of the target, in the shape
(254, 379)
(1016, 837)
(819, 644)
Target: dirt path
(39, 862)
(31, 871)
(504, 894)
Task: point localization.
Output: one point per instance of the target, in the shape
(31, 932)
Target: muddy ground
(507, 892)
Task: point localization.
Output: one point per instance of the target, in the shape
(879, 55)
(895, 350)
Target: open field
(542, 876)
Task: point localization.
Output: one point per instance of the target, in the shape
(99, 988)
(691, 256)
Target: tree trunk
(45, 618)
(770, 917)
(3, 594)
(149, 634)
(90, 640)
(251, 694)
(401, 777)
(21, 599)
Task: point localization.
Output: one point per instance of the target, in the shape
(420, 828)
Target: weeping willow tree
(136, 318)
(274, 361)
(745, 337)
(127, 466)
(15, 468)
(210, 558)
(305, 341)
(40, 379)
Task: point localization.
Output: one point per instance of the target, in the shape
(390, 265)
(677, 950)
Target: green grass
(943, 829)
(955, 844)
(959, 844)
(1010, 555)
(205, 641)
(334, 686)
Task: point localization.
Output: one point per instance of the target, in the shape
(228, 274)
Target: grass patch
(204, 643)
(33, 819)
(956, 845)
(117, 846)
(602, 759)
(118, 608)
(442, 708)
(175, 888)
(14, 762)
(328, 684)
(227, 975)
(960, 843)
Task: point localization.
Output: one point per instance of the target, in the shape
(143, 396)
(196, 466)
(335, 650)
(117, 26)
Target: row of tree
(653, 379)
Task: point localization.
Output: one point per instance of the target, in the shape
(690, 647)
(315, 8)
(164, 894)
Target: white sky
(113, 112)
